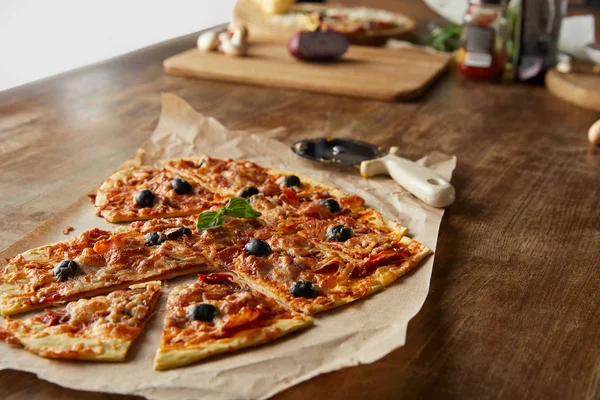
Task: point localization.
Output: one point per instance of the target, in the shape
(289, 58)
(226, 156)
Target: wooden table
(513, 310)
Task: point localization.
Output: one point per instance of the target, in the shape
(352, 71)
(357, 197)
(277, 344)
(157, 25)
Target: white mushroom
(208, 41)
(240, 36)
(233, 42)
(227, 47)
(594, 133)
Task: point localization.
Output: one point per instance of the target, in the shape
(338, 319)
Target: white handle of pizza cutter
(417, 179)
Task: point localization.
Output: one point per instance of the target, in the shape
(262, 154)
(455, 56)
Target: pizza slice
(309, 275)
(97, 262)
(141, 193)
(218, 314)
(100, 329)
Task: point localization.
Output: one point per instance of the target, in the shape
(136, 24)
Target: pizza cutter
(372, 160)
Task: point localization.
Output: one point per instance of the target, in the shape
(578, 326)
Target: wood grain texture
(513, 309)
(581, 89)
(363, 72)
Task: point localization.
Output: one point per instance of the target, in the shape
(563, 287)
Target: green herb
(236, 207)
(446, 38)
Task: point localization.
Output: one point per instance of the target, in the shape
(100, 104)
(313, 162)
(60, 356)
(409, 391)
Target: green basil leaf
(240, 208)
(210, 219)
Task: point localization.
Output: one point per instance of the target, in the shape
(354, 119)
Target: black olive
(65, 270)
(248, 191)
(144, 198)
(154, 238)
(292, 180)
(330, 204)
(257, 247)
(202, 312)
(180, 186)
(304, 289)
(338, 233)
(178, 232)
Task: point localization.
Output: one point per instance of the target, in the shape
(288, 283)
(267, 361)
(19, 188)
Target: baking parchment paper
(361, 332)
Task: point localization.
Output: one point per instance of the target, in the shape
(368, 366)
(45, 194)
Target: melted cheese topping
(115, 200)
(238, 307)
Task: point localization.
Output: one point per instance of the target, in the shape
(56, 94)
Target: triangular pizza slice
(311, 276)
(100, 329)
(218, 314)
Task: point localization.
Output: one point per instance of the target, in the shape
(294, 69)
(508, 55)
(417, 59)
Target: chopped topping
(258, 247)
(65, 270)
(338, 233)
(202, 312)
(144, 198)
(180, 186)
(304, 289)
(215, 279)
(291, 180)
(330, 204)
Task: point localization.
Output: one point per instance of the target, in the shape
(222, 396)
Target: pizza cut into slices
(97, 262)
(100, 329)
(141, 193)
(217, 314)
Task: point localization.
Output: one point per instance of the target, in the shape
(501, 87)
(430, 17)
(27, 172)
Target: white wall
(39, 38)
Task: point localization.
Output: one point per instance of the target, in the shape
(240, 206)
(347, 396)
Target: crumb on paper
(67, 230)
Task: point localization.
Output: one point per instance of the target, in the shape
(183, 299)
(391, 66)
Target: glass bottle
(482, 54)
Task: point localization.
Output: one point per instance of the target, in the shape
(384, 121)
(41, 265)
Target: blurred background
(39, 38)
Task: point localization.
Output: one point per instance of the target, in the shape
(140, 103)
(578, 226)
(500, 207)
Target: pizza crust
(177, 357)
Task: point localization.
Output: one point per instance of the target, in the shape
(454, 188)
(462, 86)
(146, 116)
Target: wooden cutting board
(364, 72)
(581, 89)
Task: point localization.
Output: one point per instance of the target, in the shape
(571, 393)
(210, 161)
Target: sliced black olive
(292, 180)
(202, 312)
(178, 232)
(248, 191)
(65, 270)
(180, 186)
(330, 204)
(144, 198)
(257, 247)
(154, 238)
(304, 289)
(338, 233)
